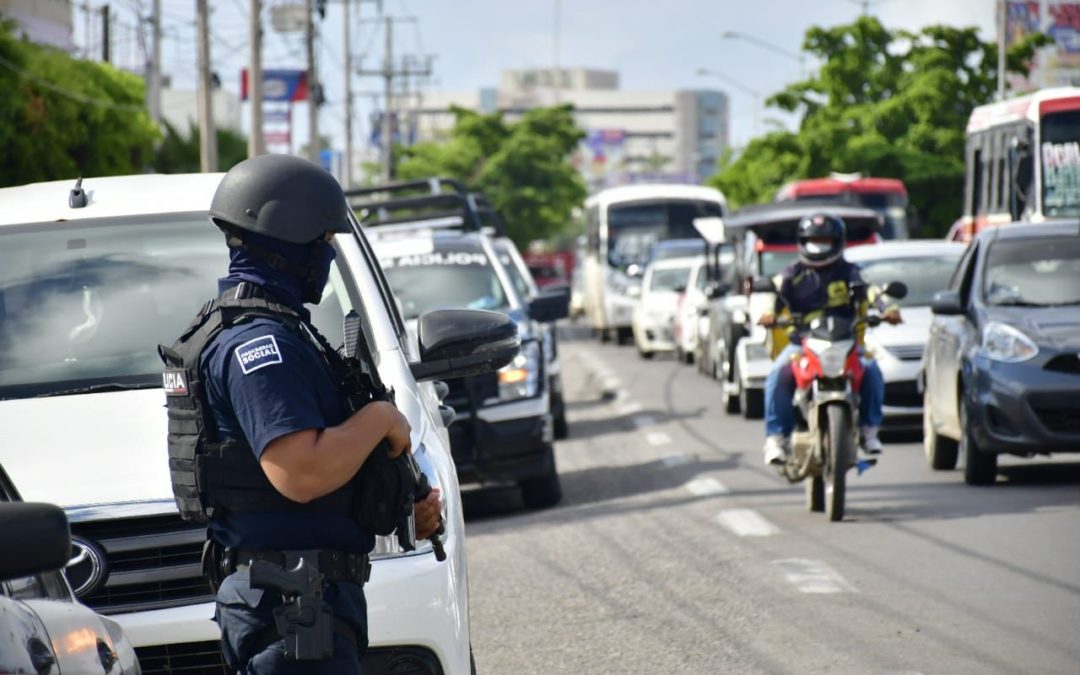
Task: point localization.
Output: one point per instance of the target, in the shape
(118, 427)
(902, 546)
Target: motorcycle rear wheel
(839, 446)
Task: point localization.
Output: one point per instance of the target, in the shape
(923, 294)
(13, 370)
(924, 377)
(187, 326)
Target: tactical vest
(209, 473)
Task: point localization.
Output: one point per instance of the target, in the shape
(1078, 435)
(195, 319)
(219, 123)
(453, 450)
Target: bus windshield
(634, 228)
(1060, 150)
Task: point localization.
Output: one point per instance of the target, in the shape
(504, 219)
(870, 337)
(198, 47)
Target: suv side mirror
(762, 285)
(36, 539)
(550, 305)
(463, 342)
(946, 303)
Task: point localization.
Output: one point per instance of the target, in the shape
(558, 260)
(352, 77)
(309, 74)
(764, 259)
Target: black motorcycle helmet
(821, 239)
(288, 199)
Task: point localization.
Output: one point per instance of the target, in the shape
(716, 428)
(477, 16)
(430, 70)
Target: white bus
(1022, 161)
(622, 226)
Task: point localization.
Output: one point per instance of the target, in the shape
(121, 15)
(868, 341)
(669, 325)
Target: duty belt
(334, 565)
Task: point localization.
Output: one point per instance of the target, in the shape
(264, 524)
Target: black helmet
(813, 230)
(281, 197)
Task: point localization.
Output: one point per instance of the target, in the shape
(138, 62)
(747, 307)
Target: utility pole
(208, 160)
(389, 72)
(313, 83)
(1001, 19)
(256, 146)
(153, 81)
(105, 33)
(346, 169)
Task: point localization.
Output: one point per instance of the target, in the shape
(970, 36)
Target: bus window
(1060, 154)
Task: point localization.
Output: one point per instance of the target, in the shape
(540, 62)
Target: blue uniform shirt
(264, 381)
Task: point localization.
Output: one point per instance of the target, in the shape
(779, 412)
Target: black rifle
(361, 368)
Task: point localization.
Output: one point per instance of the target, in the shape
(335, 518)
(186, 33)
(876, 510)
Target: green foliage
(885, 103)
(521, 166)
(62, 118)
(180, 154)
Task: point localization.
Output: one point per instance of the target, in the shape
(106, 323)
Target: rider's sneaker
(776, 449)
(871, 444)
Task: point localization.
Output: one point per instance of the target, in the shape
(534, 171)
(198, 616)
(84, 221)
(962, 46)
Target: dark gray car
(1002, 367)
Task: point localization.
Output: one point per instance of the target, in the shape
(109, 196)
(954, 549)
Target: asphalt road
(675, 550)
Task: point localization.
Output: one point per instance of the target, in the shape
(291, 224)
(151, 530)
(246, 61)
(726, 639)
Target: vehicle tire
(839, 443)
(560, 426)
(980, 468)
(732, 400)
(752, 402)
(815, 494)
(603, 335)
(941, 452)
(542, 491)
(623, 336)
(472, 662)
(688, 357)
(647, 355)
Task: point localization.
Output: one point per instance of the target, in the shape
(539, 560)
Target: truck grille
(205, 657)
(150, 563)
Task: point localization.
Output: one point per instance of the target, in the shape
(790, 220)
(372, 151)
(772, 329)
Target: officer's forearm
(309, 464)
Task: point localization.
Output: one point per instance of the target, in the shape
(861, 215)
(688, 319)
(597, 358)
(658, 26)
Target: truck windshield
(83, 305)
(444, 281)
(1060, 151)
(634, 228)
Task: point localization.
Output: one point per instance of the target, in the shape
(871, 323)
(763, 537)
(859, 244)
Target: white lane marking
(706, 487)
(656, 438)
(747, 523)
(675, 460)
(813, 576)
(642, 421)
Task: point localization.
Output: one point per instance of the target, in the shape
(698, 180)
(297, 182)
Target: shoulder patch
(258, 353)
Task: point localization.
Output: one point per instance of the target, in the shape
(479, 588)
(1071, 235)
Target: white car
(653, 320)
(86, 295)
(926, 267)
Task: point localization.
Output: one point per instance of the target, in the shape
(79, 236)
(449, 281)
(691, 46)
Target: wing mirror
(36, 538)
(762, 285)
(550, 305)
(896, 289)
(946, 303)
(716, 289)
(462, 342)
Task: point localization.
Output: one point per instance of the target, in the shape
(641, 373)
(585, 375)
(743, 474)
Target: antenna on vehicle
(77, 199)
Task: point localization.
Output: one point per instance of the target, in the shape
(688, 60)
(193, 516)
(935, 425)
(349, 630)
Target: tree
(63, 118)
(884, 103)
(521, 166)
(180, 154)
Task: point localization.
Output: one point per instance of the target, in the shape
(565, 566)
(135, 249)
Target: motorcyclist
(820, 283)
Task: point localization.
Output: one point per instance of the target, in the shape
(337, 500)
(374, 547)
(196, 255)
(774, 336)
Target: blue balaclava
(297, 273)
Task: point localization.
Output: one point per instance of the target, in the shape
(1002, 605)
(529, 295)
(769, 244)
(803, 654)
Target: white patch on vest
(173, 382)
(258, 353)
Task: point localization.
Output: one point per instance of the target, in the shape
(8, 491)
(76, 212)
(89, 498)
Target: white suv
(86, 295)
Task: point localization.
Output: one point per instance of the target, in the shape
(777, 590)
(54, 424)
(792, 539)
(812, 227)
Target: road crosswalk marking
(747, 523)
(657, 438)
(706, 487)
(813, 576)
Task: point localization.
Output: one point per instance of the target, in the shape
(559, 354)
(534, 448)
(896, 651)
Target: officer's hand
(426, 513)
(892, 316)
(767, 320)
(398, 435)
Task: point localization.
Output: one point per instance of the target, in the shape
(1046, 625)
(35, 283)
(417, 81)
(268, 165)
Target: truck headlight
(1002, 342)
(521, 377)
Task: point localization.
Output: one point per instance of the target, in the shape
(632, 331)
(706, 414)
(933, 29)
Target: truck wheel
(980, 468)
(561, 426)
(941, 452)
(543, 491)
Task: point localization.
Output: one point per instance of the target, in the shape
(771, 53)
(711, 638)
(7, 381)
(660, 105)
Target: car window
(701, 278)
(923, 276)
(516, 278)
(1033, 273)
(669, 279)
(86, 304)
(961, 268)
(968, 277)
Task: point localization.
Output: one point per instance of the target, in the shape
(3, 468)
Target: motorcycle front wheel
(839, 446)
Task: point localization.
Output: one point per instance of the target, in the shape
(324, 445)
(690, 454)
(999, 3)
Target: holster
(305, 621)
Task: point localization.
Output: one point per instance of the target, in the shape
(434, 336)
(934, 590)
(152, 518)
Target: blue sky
(653, 45)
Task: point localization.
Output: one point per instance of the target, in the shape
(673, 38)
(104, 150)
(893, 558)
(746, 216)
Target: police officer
(276, 467)
(820, 283)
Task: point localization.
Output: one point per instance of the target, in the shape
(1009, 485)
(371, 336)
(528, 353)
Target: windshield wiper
(98, 388)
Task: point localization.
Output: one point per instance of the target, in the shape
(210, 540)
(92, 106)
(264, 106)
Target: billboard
(287, 86)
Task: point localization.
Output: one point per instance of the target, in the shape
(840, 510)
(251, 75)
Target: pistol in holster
(305, 620)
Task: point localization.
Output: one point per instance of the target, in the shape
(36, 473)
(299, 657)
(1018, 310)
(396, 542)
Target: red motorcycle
(828, 376)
